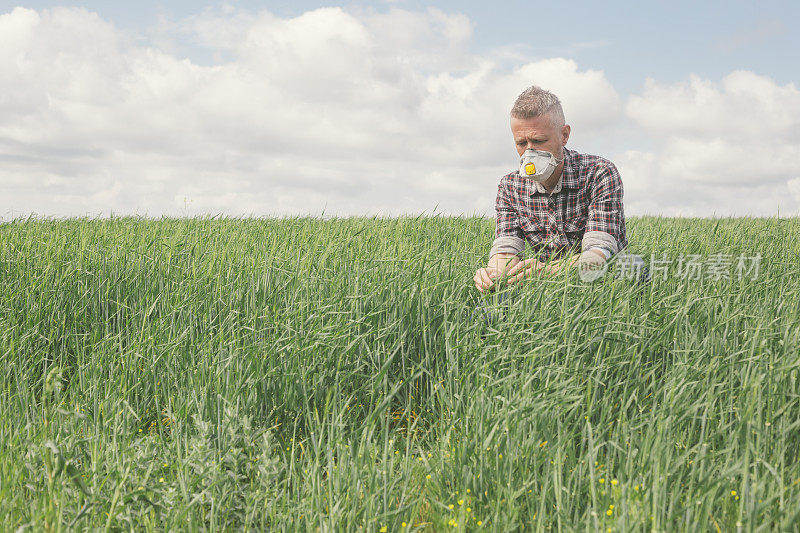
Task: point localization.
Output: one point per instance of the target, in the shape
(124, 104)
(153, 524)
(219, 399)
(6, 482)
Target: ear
(565, 134)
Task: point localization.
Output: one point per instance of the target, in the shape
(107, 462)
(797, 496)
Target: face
(540, 134)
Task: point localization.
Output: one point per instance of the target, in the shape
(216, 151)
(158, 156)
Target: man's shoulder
(587, 171)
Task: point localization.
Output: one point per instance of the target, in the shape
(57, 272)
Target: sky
(390, 108)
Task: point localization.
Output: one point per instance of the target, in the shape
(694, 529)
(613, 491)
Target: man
(567, 205)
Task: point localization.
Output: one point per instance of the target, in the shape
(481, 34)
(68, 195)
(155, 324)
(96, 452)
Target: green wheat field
(309, 374)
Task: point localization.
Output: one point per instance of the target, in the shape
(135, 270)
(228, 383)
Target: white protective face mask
(538, 165)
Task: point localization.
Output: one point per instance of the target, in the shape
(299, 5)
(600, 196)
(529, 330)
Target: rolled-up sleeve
(606, 213)
(509, 237)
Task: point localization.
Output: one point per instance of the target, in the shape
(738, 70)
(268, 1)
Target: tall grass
(304, 374)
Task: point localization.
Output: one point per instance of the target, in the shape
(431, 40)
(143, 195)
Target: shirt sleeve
(606, 213)
(509, 237)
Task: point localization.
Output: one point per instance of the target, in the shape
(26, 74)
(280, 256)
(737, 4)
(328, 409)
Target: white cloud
(351, 112)
(727, 148)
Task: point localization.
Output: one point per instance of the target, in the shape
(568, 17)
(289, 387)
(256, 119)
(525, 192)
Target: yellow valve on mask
(530, 168)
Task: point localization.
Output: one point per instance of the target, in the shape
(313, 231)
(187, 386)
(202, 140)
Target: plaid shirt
(587, 198)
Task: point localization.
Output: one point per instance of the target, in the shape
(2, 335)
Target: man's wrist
(601, 250)
(502, 262)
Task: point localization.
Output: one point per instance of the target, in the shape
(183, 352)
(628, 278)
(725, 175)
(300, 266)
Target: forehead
(527, 127)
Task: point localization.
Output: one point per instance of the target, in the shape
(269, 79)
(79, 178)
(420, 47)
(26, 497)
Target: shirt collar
(569, 174)
(541, 188)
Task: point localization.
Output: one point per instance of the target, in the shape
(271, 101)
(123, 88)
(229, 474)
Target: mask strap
(558, 161)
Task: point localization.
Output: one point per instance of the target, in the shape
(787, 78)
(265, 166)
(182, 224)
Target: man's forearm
(572, 261)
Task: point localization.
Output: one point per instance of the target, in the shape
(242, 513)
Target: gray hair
(535, 102)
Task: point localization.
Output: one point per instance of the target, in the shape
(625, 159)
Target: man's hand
(528, 268)
(484, 279)
(525, 270)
